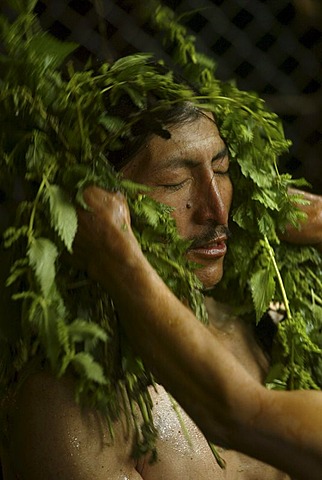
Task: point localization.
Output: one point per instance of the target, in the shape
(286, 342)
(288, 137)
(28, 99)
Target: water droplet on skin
(75, 442)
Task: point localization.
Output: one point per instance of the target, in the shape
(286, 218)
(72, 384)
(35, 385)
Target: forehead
(195, 141)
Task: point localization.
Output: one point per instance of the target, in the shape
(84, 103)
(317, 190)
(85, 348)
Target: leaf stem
(318, 281)
(44, 182)
(34, 208)
(316, 298)
(180, 419)
(221, 462)
(292, 365)
(279, 278)
(80, 121)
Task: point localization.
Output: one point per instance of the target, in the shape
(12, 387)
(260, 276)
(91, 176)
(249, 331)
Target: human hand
(310, 231)
(104, 242)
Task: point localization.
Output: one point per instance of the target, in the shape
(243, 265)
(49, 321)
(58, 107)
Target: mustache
(212, 233)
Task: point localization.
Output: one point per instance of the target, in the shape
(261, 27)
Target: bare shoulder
(183, 451)
(51, 437)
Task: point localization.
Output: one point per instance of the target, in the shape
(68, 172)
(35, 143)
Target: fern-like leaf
(262, 285)
(42, 254)
(84, 362)
(63, 215)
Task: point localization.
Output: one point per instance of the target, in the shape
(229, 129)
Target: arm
(280, 428)
(310, 232)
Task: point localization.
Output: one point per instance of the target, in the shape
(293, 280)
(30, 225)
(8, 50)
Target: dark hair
(152, 123)
(155, 119)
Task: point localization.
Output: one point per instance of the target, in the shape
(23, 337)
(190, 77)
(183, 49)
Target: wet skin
(190, 172)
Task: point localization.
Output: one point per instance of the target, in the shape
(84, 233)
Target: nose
(214, 200)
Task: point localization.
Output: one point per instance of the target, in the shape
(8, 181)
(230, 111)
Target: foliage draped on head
(259, 269)
(58, 134)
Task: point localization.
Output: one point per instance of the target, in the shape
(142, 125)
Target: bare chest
(183, 451)
(238, 337)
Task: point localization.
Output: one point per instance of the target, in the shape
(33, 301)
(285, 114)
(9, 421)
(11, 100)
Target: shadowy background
(273, 47)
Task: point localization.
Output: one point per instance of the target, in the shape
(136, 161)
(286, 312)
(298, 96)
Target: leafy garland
(258, 268)
(63, 132)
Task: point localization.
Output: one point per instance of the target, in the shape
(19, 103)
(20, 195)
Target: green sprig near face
(68, 132)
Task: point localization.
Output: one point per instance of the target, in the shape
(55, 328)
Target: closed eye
(222, 172)
(221, 163)
(174, 186)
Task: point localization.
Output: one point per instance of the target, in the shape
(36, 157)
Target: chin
(208, 271)
(209, 277)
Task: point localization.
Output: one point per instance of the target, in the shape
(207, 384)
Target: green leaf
(63, 215)
(81, 330)
(22, 6)
(150, 212)
(42, 255)
(262, 286)
(12, 234)
(111, 123)
(134, 187)
(266, 198)
(266, 225)
(61, 131)
(129, 64)
(52, 50)
(249, 169)
(84, 362)
(18, 269)
(35, 155)
(49, 331)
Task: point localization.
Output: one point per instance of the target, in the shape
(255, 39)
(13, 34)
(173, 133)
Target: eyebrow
(180, 162)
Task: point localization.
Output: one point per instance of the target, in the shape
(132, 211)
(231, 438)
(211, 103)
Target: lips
(214, 249)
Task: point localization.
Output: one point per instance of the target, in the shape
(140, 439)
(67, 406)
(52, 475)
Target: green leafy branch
(65, 131)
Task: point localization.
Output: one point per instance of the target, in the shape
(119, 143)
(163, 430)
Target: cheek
(231, 195)
(183, 219)
(178, 203)
(177, 200)
(228, 193)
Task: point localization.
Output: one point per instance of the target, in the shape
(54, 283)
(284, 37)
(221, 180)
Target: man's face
(189, 172)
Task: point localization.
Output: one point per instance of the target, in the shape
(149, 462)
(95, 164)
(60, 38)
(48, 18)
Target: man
(225, 398)
(51, 437)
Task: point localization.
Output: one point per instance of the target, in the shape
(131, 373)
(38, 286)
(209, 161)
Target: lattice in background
(274, 48)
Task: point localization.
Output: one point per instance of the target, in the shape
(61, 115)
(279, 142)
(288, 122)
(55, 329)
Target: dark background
(273, 47)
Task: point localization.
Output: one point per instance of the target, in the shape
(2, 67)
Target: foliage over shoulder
(66, 126)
